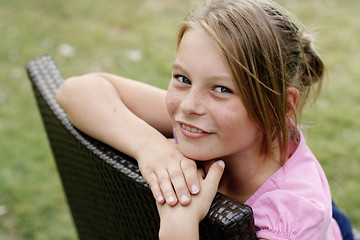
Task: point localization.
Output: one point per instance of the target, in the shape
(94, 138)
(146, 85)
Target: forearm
(132, 117)
(96, 109)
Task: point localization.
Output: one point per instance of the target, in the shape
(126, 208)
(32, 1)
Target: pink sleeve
(174, 134)
(282, 215)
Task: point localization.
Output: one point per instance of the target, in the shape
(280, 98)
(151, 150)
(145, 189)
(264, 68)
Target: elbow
(72, 90)
(66, 90)
(76, 90)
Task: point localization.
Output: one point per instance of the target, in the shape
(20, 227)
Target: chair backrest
(108, 197)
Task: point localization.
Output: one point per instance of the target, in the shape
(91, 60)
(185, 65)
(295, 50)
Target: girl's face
(207, 112)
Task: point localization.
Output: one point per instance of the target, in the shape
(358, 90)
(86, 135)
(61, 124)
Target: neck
(245, 174)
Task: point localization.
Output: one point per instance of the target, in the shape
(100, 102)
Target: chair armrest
(228, 219)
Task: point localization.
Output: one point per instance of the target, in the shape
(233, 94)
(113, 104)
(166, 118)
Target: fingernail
(221, 164)
(160, 198)
(194, 189)
(171, 199)
(184, 199)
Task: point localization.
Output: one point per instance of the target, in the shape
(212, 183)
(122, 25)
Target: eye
(183, 79)
(222, 89)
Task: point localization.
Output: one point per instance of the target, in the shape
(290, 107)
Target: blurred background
(137, 39)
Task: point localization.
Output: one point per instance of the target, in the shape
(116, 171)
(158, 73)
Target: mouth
(191, 129)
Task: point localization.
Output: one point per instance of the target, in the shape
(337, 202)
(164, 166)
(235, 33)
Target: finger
(167, 188)
(210, 184)
(215, 172)
(180, 187)
(189, 170)
(155, 189)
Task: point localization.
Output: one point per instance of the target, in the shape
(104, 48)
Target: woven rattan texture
(108, 197)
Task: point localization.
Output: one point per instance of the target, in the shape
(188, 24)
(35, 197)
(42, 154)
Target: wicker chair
(108, 197)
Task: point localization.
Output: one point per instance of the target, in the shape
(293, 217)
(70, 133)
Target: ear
(292, 100)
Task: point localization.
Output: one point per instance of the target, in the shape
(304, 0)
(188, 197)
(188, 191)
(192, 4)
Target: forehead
(197, 52)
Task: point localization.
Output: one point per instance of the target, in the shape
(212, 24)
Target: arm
(131, 117)
(94, 101)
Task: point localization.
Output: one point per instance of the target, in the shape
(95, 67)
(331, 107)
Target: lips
(191, 129)
(193, 132)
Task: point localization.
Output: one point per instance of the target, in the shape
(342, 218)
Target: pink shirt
(295, 202)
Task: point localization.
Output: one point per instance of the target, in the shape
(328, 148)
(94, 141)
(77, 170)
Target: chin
(197, 155)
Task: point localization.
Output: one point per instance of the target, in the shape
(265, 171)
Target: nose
(194, 102)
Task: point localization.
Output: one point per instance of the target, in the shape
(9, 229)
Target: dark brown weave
(108, 197)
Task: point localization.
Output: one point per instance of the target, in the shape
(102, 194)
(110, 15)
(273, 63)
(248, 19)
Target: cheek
(229, 113)
(234, 118)
(171, 102)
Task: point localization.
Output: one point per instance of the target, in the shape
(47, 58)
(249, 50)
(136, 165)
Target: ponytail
(311, 69)
(310, 72)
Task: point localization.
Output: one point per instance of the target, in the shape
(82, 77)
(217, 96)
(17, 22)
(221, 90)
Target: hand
(165, 169)
(182, 222)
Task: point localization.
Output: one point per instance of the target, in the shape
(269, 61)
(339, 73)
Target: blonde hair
(266, 54)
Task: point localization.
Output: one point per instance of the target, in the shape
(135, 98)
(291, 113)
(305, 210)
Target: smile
(191, 129)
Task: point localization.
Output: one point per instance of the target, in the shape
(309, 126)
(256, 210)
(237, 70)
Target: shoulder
(294, 203)
(303, 175)
(282, 213)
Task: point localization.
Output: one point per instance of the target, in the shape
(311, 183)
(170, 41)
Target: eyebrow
(178, 66)
(221, 76)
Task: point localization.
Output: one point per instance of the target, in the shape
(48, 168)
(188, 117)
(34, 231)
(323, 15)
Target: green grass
(137, 39)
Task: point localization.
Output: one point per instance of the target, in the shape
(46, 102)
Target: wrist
(148, 145)
(179, 229)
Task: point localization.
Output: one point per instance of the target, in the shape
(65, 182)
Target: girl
(241, 71)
